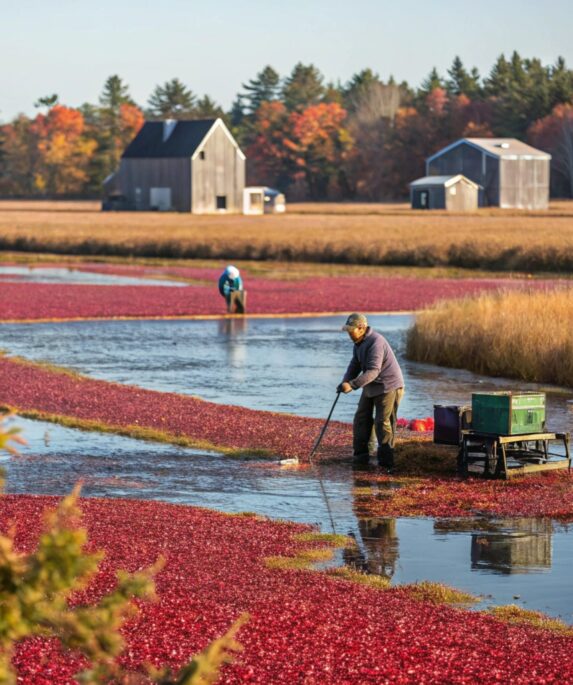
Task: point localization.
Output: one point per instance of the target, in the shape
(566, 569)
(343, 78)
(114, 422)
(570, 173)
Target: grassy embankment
(528, 336)
(340, 233)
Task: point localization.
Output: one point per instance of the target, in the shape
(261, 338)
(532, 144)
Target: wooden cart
(526, 453)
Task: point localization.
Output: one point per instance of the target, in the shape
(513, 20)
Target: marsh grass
(344, 234)
(439, 593)
(353, 576)
(515, 615)
(304, 559)
(523, 335)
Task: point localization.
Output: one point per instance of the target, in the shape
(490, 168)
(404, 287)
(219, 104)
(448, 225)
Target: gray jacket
(374, 366)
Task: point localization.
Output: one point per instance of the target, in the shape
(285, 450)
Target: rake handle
(323, 431)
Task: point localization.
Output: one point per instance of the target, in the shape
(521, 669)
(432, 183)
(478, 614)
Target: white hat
(232, 271)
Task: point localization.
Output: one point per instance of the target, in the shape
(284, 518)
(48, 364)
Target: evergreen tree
(537, 96)
(237, 113)
(432, 81)
(114, 94)
(560, 84)
(461, 82)
(303, 87)
(172, 100)
(498, 82)
(263, 88)
(208, 109)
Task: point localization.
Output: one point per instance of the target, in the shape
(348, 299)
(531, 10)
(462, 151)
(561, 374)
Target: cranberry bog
(261, 387)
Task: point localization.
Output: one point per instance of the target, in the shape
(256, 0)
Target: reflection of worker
(375, 369)
(231, 287)
(379, 551)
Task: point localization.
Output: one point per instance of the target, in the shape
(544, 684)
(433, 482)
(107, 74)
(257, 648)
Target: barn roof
(445, 181)
(160, 139)
(508, 148)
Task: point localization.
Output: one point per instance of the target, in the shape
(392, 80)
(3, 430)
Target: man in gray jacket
(375, 369)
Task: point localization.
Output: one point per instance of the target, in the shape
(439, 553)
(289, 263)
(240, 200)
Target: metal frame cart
(531, 451)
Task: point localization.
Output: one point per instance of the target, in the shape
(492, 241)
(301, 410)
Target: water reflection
(519, 546)
(377, 547)
(233, 333)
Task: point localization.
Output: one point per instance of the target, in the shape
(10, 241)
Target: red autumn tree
(64, 151)
(269, 160)
(554, 133)
(318, 144)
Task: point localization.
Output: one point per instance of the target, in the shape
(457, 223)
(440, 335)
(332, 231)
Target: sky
(70, 47)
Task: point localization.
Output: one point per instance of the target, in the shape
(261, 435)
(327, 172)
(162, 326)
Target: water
(285, 365)
(525, 558)
(73, 276)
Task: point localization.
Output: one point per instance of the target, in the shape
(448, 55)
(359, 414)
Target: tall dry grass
(525, 335)
(345, 234)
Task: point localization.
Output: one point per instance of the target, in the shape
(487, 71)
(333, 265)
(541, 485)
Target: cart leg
(463, 459)
(501, 466)
(490, 462)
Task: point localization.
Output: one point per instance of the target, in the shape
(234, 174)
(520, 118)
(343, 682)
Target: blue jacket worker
(231, 288)
(375, 369)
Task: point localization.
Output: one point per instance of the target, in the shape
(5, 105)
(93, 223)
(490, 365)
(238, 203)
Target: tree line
(364, 139)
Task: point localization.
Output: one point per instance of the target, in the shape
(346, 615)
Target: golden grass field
(525, 335)
(381, 234)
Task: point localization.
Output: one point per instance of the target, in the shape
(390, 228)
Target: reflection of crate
(449, 421)
(508, 413)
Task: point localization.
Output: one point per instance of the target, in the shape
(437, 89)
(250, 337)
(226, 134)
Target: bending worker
(231, 288)
(375, 369)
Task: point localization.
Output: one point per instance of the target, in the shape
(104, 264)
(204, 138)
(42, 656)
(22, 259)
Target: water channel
(284, 365)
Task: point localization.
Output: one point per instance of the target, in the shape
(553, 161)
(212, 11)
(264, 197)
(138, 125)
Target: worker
(375, 369)
(231, 288)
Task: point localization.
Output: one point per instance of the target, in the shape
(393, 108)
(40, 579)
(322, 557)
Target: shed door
(424, 199)
(160, 198)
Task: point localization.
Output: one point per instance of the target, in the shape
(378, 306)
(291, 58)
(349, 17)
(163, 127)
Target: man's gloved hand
(344, 387)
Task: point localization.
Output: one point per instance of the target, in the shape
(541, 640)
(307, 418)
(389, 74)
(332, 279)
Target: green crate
(508, 413)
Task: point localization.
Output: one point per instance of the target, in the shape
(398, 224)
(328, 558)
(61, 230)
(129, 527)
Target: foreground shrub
(525, 335)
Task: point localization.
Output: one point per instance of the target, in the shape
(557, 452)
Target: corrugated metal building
(510, 173)
(454, 193)
(186, 166)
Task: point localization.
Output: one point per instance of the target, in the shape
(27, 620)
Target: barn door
(160, 198)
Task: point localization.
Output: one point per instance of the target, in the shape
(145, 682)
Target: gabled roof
(160, 139)
(508, 148)
(445, 181)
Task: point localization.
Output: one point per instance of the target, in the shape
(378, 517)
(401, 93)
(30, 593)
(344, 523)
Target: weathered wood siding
(464, 199)
(220, 173)
(524, 183)
(144, 174)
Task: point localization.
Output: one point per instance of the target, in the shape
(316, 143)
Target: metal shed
(511, 173)
(456, 193)
(185, 166)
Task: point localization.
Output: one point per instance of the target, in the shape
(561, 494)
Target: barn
(510, 173)
(455, 193)
(184, 166)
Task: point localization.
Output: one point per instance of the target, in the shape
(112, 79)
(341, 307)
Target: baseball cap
(355, 320)
(232, 271)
